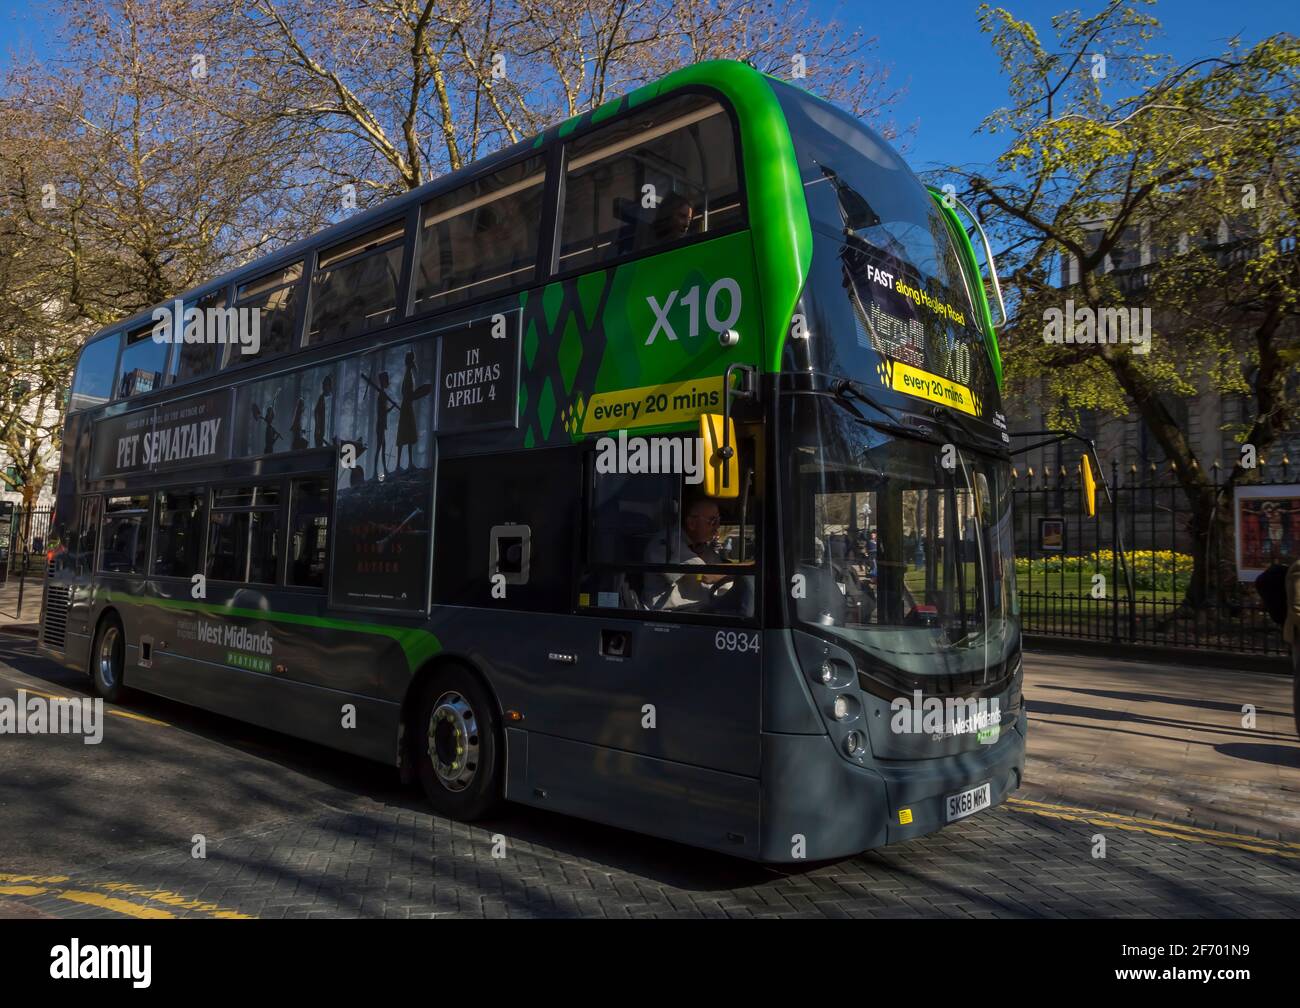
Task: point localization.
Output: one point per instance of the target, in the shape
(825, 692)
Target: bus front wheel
(458, 747)
(108, 659)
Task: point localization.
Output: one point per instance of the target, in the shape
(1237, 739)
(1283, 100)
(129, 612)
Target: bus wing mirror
(1089, 486)
(718, 456)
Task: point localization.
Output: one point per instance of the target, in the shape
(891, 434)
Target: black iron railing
(1130, 574)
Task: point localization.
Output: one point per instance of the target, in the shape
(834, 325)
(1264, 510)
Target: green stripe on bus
(418, 645)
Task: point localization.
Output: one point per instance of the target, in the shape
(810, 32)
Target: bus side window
(81, 550)
(242, 528)
(275, 296)
(192, 360)
(649, 532)
(144, 362)
(649, 181)
(356, 283)
(627, 517)
(480, 239)
(125, 537)
(178, 533)
(309, 519)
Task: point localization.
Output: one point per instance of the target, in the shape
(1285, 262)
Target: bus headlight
(852, 743)
(826, 673)
(842, 707)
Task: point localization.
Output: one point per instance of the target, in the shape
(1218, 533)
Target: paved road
(292, 829)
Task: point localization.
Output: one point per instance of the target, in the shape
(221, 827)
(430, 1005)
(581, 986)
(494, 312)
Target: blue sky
(953, 78)
(935, 48)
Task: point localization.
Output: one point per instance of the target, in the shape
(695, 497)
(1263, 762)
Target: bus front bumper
(818, 806)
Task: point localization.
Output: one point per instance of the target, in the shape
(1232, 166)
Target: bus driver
(694, 544)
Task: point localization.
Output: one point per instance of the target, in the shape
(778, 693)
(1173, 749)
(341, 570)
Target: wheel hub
(108, 657)
(453, 741)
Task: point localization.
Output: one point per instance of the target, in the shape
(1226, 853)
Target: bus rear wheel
(458, 746)
(108, 659)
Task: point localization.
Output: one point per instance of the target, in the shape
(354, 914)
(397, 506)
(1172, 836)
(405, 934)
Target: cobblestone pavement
(292, 830)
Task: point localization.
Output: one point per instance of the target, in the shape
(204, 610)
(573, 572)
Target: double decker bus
(650, 470)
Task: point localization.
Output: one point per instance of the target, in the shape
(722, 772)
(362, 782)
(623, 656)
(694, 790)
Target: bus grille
(55, 627)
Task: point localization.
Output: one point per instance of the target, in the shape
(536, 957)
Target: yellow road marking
(174, 899)
(116, 905)
(43, 879)
(107, 710)
(38, 885)
(1158, 823)
(138, 717)
(1155, 827)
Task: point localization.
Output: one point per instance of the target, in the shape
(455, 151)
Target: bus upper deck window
(196, 358)
(275, 296)
(480, 239)
(355, 286)
(144, 361)
(648, 181)
(93, 383)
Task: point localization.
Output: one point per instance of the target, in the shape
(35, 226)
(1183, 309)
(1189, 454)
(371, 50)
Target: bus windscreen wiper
(846, 388)
(954, 421)
(846, 401)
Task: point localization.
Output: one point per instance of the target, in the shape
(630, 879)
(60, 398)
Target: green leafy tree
(1107, 142)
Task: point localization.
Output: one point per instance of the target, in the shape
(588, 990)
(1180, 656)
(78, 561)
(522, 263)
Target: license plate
(965, 803)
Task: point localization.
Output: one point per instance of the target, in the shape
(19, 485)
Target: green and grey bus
(651, 471)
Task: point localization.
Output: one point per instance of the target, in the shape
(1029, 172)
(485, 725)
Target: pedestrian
(1291, 634)
(1279, 589)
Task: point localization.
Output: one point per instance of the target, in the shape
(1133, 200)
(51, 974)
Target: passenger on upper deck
(675, 218)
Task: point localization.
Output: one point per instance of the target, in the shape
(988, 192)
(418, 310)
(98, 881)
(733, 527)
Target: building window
(480, 239)
(356, 284)
(649, 182)
(126, 535)
(178, 536)
(309, 526)
(242, 531)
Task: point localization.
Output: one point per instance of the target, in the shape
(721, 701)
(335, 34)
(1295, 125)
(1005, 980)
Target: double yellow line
(42, 885)
(1157, 827)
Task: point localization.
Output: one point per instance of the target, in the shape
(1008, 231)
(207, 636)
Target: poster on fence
(1267, 525)
(1051, 535)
